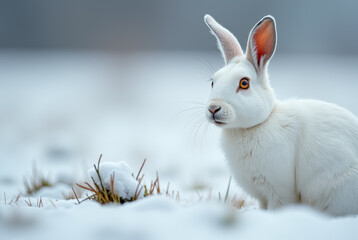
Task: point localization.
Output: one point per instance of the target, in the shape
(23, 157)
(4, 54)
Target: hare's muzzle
(214, 113)
(214, 109)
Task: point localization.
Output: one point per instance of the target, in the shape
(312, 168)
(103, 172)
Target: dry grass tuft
(103, 196)
(39, 202)
(231, 201)
(234, 201)
(36, 182)
(14, 200)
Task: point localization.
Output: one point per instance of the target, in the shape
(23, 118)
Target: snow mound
(125, 185)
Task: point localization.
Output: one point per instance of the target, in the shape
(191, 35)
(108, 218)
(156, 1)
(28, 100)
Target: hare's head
(241, 96)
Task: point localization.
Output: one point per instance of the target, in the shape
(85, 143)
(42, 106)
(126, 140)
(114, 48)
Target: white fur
(227, 42)
(296, 151)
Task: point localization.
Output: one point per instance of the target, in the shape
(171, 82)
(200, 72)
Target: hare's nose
(214, 109)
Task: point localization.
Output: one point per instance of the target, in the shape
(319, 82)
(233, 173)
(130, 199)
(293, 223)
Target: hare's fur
(295, 151)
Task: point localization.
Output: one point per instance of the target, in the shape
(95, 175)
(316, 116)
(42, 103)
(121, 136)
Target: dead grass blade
(28, 202)
(74, 192)
(227, 190)
(141, 168)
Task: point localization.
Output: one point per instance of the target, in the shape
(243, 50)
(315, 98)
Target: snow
(60, 111)
(162, 218)
(124, 183)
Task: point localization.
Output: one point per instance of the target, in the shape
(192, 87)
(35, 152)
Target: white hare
(295, 151)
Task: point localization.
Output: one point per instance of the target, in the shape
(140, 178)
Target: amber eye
(244, 83)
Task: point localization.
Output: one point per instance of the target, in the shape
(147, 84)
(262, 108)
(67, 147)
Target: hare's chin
(219, 123)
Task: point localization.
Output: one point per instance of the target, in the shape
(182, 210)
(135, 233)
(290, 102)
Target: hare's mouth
(218, 122)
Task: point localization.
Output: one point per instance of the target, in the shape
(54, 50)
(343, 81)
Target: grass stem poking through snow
(227, 190)
(16, 200)
(28, 202)
(74, 192)
(39, 202)
(140, 170)
(54, 206)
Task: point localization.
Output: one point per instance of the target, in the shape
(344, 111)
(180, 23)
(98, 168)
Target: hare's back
(324, 129)
(327, 151)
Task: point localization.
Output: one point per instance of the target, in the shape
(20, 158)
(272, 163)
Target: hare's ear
(228, 44)
(262, 42)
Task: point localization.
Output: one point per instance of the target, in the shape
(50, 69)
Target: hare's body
(306, 151)
(297, 151)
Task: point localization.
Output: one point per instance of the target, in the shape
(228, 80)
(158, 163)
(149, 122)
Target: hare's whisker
(202, 120)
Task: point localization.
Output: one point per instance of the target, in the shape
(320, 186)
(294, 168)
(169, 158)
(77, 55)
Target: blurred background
(318, 27)
(129, 79)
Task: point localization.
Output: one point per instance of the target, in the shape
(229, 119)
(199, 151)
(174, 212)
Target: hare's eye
(244, 83)
(212, 84)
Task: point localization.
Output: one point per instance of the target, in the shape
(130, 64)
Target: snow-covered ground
(60, 111)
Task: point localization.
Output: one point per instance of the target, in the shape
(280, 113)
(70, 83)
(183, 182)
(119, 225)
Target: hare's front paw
(274, 203)
(263, 204)
(270, 203)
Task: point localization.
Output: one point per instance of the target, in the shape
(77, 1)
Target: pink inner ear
(265, 40)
